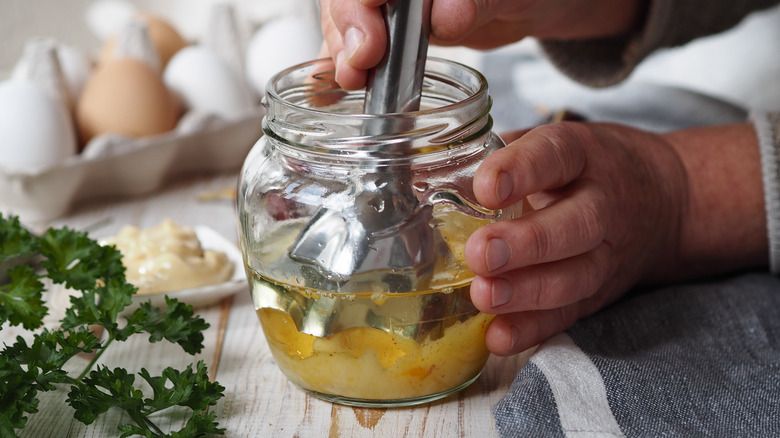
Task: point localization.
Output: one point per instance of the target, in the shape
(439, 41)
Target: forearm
(579, 20)
(723, 225)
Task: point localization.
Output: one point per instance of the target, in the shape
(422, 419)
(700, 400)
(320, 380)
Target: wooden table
(258, 401)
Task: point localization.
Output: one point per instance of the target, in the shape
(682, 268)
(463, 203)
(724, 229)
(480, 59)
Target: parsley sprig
(72, 259)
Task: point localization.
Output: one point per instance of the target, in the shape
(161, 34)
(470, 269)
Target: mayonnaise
(168, 257)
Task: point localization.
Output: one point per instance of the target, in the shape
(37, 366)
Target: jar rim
(308, 112)
(430, 74)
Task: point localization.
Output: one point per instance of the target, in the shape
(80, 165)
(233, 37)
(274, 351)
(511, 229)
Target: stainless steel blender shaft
(382, 225)
(395, 84)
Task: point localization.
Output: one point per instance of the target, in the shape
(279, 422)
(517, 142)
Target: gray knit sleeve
(767, 127)
(668, 23)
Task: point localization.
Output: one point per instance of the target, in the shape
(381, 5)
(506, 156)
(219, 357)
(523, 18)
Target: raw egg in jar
(125, 96)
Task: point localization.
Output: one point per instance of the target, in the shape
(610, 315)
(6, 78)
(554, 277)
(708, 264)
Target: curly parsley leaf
(21, 301)
(100, 305)
(200, 424)
(15, 240)
(18, 390)
(104, 389)
(50, 351)
(70, 258)
(186, 388)
(175, 323)
(73, 259)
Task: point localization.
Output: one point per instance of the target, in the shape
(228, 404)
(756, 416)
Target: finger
(482, 37)
(332, 41)
(547, 157)
(513, 333)
(452, 20)
(348, 77)
(509, 137)
(361, 30)
(479, 24)
(572, 225)
(543, 287)
(516, 332)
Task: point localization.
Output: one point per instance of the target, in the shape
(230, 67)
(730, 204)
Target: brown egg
(164, 37)
(125, 96)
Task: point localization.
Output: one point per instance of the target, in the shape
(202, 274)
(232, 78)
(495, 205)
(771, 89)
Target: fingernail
(353, 39)
(500, 292)
(497, 254)
(503, 186)
(339, 63)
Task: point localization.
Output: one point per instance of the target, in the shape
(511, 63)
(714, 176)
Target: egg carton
(219, 126)
(123, 166)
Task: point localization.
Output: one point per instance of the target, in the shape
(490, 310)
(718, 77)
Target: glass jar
(353, 228)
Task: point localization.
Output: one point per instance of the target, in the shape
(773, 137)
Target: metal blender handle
(395, 84)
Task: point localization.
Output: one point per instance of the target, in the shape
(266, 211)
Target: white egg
(35, 130)
(206, 83)
(107, 17)
(279, 44)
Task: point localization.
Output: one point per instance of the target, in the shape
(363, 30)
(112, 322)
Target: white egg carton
(122, 166)
(217, 78)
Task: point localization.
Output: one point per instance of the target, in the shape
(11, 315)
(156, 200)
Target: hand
(356, 38)
(611, 207)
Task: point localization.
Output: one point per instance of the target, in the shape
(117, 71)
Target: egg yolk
(368, 363)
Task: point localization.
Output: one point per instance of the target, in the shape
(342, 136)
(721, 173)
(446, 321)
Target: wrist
(723, 223)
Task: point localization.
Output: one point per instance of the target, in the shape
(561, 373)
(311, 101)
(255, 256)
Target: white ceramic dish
(204, 295)
(198, 297)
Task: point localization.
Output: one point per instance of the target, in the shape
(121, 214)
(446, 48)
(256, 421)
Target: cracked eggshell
(205, 82)
(35, 130)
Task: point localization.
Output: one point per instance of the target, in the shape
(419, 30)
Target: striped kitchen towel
(699, 359)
